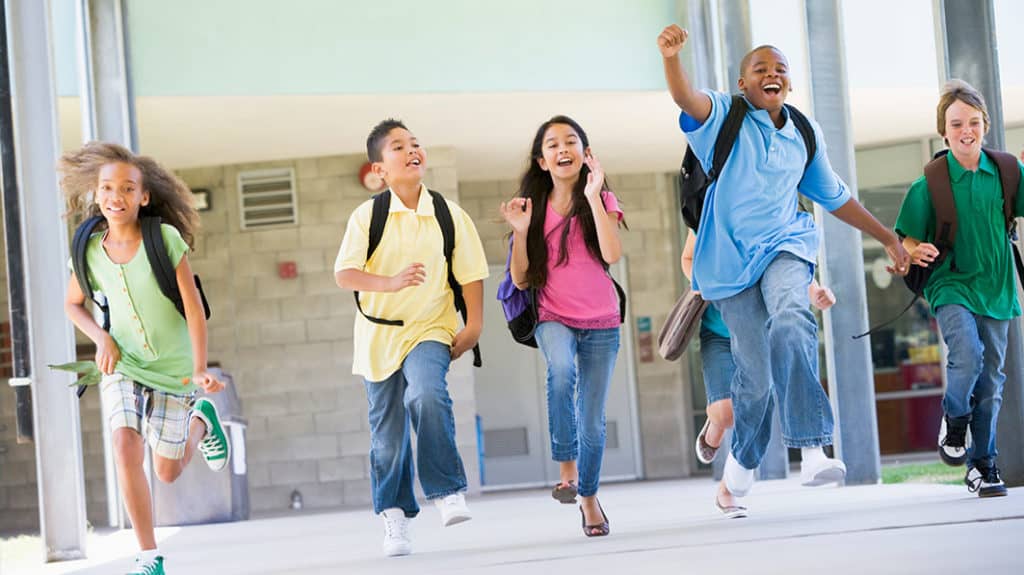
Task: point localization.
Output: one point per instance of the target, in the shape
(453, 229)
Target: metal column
(968, 46)
(108, 114)
(45, 254)
(108, 108)
(850, 370)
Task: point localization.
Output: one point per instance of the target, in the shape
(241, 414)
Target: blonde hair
(169, 197)
(959, 90)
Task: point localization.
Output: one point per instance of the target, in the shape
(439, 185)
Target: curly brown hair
(169, 197)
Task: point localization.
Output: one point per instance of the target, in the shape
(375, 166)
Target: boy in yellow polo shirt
(404, 365)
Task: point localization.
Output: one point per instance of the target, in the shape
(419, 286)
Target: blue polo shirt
(750, 212)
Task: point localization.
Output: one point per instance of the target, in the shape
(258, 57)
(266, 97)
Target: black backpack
(159, 261)
(378, 220)
(693, 182)
(940, 189)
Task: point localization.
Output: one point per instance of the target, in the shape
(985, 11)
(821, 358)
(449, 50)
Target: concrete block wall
(652, 245)
(288, 342)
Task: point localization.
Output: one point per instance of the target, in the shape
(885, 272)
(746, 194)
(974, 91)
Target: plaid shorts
(129, 403)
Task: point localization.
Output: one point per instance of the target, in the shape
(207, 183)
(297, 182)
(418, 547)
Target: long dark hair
(536, 184)
(169, 197)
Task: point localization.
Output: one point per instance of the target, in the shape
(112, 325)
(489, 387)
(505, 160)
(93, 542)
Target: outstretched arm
(694, 102)
(854, 214)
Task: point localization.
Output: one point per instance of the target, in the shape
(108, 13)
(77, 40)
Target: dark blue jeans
(416, 394)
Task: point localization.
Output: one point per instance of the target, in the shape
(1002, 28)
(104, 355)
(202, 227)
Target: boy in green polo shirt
(407, 334)
(971, 291)
(152, 358)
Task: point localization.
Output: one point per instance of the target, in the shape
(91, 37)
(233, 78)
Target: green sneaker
(215, 447)
(153, 567)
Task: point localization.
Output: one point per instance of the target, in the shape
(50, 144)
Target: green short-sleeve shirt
(153, 337)
(983, 281)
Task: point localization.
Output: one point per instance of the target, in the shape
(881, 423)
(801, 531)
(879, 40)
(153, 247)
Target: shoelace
(148, 568)
(991, 475)
(956, 434)
(212, 447)
(395, 528)
(973, 485)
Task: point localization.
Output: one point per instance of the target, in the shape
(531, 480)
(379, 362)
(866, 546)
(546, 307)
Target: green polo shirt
(156, 349)
(983, 281)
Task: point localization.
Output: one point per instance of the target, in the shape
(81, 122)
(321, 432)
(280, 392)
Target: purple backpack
(520, 306)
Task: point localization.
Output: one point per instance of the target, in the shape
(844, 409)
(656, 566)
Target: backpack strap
(378, 220)
(806, 130)
(163, 269)
(444, 219)
(1009, 177)
(79, 264)
(936, 174)
(727, 134)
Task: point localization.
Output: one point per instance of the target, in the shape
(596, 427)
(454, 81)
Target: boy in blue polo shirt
(755, 257)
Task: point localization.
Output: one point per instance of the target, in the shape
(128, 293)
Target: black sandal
(599, 530)
(566, 495)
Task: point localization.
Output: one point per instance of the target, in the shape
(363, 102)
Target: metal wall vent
(267, 198)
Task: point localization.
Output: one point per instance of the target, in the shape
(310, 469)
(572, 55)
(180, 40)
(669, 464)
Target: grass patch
(923, 473)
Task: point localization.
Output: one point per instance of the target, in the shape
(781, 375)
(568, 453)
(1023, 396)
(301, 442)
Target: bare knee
(720, 413)
(167, 470)
(129, 447)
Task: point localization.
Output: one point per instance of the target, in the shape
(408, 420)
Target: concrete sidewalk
(657, 527)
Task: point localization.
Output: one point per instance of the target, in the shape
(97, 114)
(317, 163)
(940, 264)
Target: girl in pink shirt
(564, 236)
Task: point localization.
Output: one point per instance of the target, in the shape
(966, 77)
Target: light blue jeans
(580, 365)
(974, 376)
(774, 333)
(416, 394)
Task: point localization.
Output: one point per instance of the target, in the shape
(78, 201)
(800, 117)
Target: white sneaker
(396, 532)
(453, 509)
(738, 479)
(822, 472)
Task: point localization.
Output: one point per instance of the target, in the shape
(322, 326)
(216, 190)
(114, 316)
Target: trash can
(201, 495)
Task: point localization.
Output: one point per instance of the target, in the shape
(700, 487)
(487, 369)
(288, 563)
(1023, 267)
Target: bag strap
(806, 130)
(79, 264)
(727, 134)
(378, 220)
(444, 219)
(1009, 177)
(936, 174)
(163, 269)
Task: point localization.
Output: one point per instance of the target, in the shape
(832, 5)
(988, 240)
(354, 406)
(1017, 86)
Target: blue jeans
(774, 334)
(417, 394)
(717, 365)
(974, 375)
(576, 419)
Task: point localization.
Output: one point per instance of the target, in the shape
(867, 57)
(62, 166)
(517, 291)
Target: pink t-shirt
(578, 293)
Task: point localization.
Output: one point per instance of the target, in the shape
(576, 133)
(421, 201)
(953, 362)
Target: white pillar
(45, 251)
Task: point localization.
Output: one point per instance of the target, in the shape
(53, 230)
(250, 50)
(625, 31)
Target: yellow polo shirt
(428, 310)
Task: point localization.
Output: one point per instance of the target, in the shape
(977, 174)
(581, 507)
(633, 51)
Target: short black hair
(375, 140)
(746, 58)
